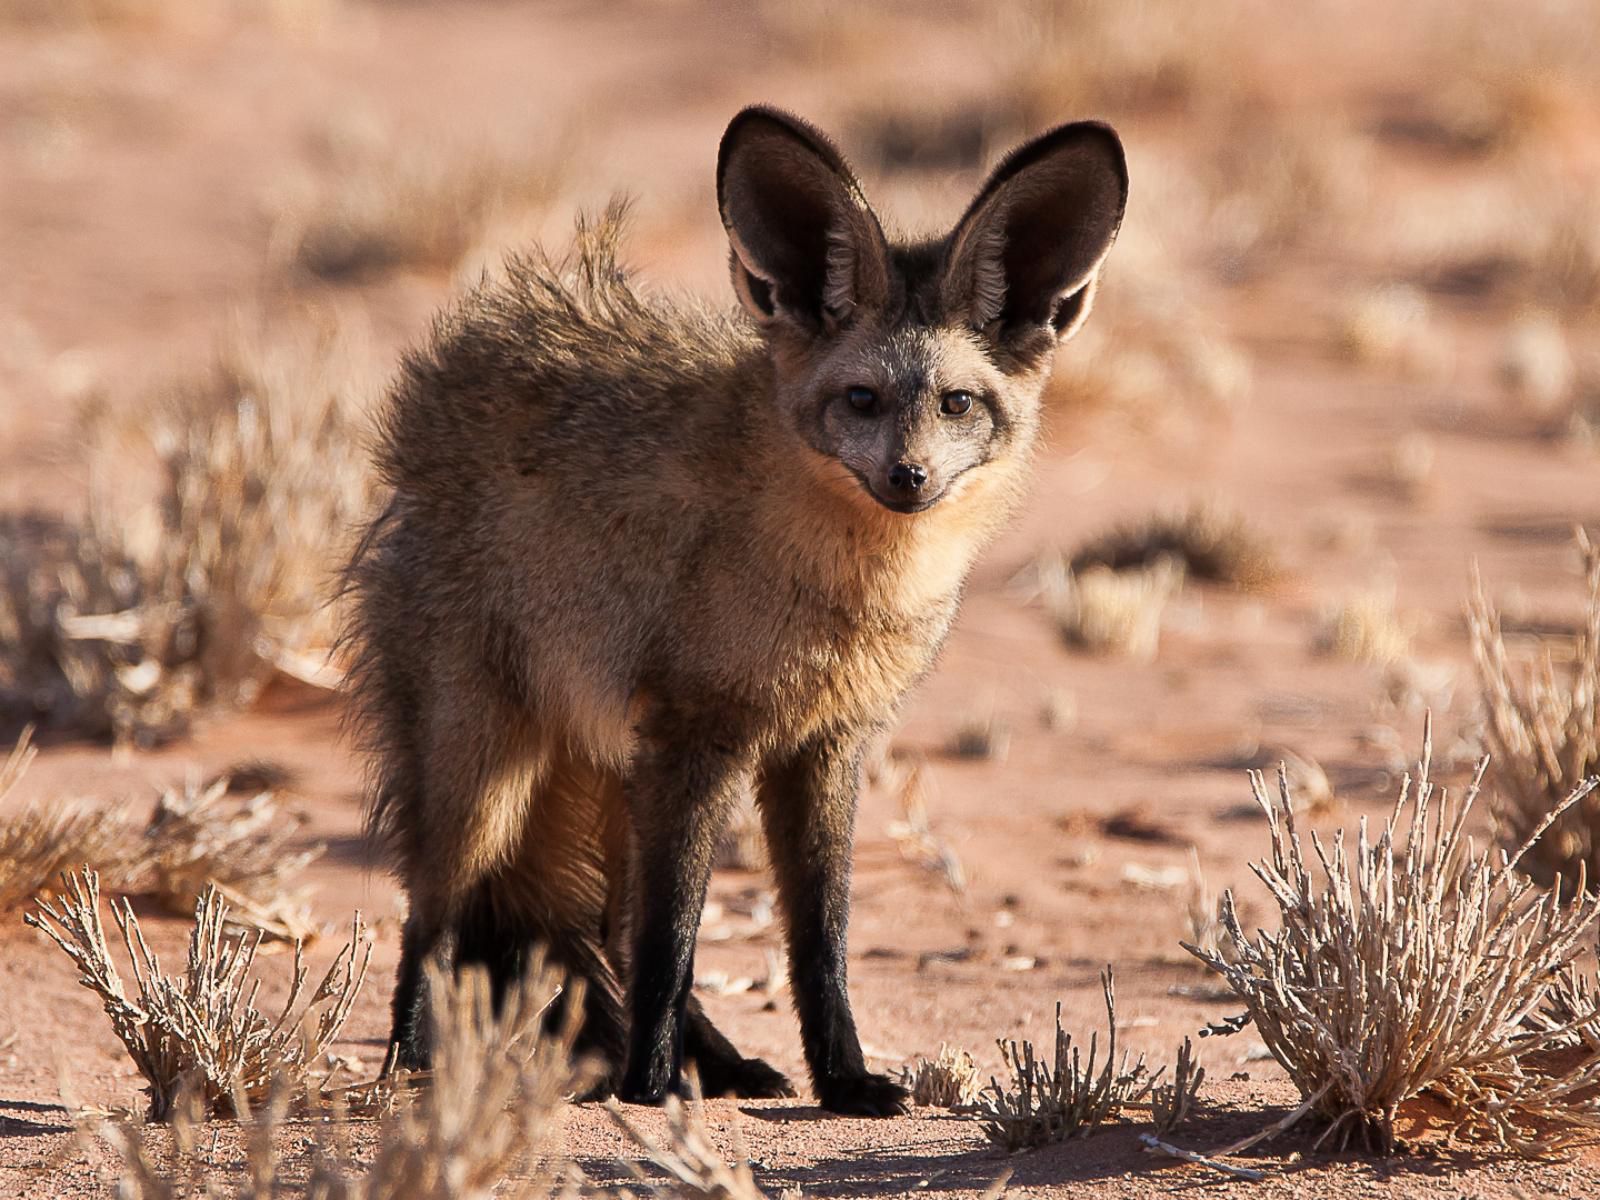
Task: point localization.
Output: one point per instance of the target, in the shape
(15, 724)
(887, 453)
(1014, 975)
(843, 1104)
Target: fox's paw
(746, 1078)
(864, 1095)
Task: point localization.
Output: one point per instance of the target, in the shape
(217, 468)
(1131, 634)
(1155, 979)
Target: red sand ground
(132, 220)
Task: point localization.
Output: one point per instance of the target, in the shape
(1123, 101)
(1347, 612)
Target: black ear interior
(1049, 214)
(795, 216)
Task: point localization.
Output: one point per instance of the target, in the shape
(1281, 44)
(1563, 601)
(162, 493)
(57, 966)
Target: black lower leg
(409, 1041)
(808, 809)
(682, 788)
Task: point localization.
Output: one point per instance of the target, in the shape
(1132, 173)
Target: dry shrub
(1411, 968)
(43, 839)
(1111, 612)
(201, 1027)
(986, 737)
(1066, 1097)
(216, 524)
(387, 203)
(200, 838)
(490, 1110)
(1365, 629)
(195, 839)
(949, 1080)
(1545, 734)
(1212, 544)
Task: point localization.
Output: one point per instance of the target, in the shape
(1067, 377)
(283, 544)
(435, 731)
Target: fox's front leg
(683, 787)
(808, 807)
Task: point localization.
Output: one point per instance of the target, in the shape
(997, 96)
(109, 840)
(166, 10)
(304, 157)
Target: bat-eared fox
(642, 558)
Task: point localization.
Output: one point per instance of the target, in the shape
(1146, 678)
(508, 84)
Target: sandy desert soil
(145, 165)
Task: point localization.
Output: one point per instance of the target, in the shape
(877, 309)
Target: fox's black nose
(907, 477)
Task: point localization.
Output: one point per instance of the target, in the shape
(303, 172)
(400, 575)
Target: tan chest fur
(856, 611)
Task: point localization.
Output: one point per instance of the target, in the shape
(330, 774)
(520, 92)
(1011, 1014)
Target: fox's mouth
(905, 505)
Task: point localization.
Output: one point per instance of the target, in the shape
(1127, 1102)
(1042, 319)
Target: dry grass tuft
(1110, 612)
(1390, 325)
(1411, 968)
(199, 838)
(743, 844)
(982, 737)
(1365, 629)
(948, 1081)
(216, 524)
(1535, 365)
(1545, 734)
(202, 1028)
(195, 839)
(1211, 543)
(1068, 1097)
(42, 840)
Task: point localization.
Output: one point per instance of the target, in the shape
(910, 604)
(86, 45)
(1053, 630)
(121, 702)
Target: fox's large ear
(806, 246)
(1028, 251)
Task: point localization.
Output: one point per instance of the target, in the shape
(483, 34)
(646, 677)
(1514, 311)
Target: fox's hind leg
(722, 1069)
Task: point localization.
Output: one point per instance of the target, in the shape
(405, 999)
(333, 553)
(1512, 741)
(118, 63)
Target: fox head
(905, 369)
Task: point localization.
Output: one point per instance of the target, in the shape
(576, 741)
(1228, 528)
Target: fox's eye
(862, 399)
(956, 404)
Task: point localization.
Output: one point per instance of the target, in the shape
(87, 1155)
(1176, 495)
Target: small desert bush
(201, 1028)
(217, 521)
(1409, 964)
(949, 1080)
(1069, 1095)
(1545, 734)
(1111, 612)
(42, 839)
(1213, 545)
(490, 1111)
